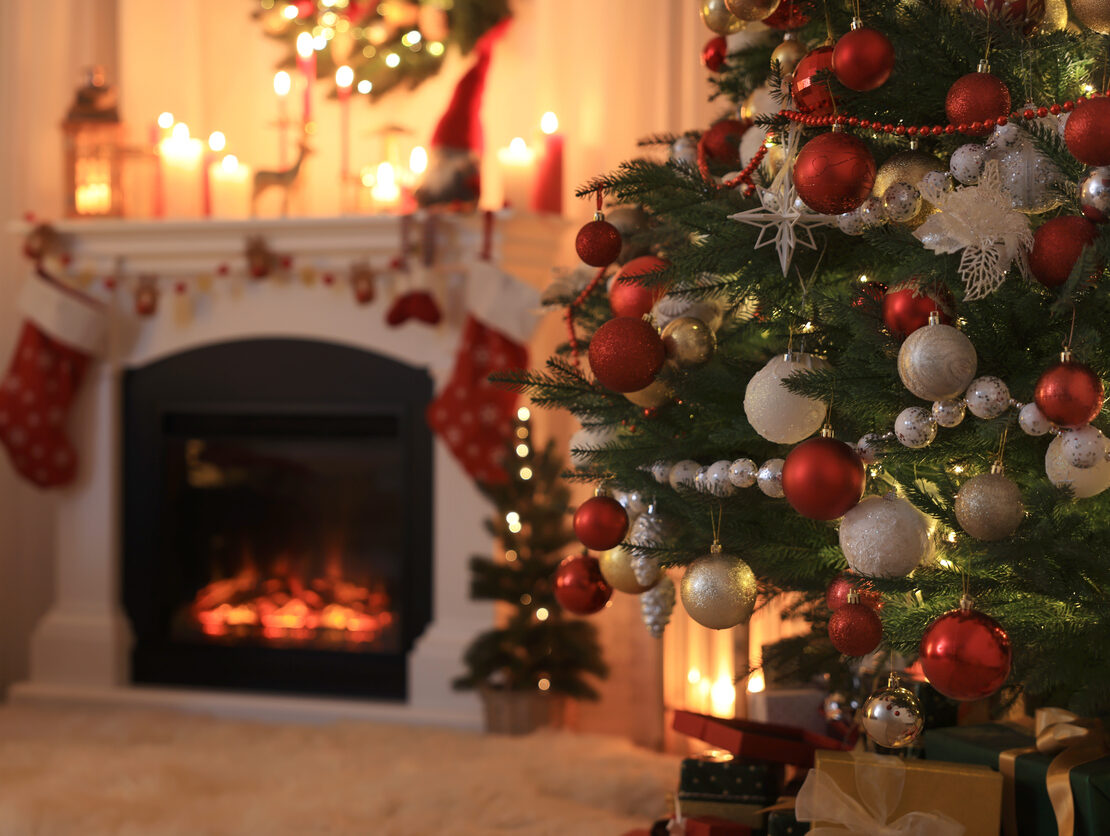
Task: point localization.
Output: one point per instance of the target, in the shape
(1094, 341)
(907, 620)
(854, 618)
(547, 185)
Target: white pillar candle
(182, 160)
(518, 171)
(231, 188)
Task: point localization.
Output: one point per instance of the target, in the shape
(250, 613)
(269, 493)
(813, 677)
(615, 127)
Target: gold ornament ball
(788, 54)
(616, 568)
(715, 15)
(892, 715)
(1094, 14)
(752, 9)
(718, 590)
(1055, 17)
(937, 362)
(908, 167)
(688, 342)
(654, 394)
(759, 101)
(989, 507)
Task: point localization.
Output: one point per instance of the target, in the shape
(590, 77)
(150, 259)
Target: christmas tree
(867, 272)
(538, 648)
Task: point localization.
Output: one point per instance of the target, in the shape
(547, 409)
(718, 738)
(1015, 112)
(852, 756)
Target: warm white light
(512, 517)
(723, 696)
(304, 45)
(526, 473)
(523, 414)
(344, 76)
(319, 42)
(542, 614)
(230, 163)
(411, 38)
(951, 536)
(282, 83)
(863, 279)
(435, 48)
(957, 468)
(392, 59)
(329, 18)
(549, 123)
(522, 450)
(418, 160)
(757, 683)
(515, 528)
(510, 556)
(694, 676)
(180, 131)
(945, 563)
(290, 12)
(365, 86)
(521, 432)
(518, 146)
(367, 175)
(544, 684)
(217, 141)
(385, 188)
(165, 120)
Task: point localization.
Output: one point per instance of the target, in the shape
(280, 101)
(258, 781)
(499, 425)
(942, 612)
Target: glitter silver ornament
(915, 427)
(966, 164)
(742, 473)
(633, 502)
(870, 448)
(685, 150)
(718, 590)
(949, 413)
(656, 606)
(661, 471)
(1094, 195)
(872, 212)
(850, 223)
(902, 202)
(1032, 421)
(988, 506)
(682, 474)
(1082, 482)
(838, 707)
(937, 362)
(892, 716)
(1082, 447)
(770, 478)
(651, 530)
(884, 537)
(939, 180)
(717, 478)
(1030, 178)
(775, 412)
(987, 397)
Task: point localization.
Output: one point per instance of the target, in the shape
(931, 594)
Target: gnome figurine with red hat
(454, 167)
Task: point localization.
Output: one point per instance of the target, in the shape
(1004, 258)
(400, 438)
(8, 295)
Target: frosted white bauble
(774, 411)
(915, 427)
(1083, 483)
(901, 201)
(742, 473)
(661, 471)
(937, 362)
(685, 150)
(682, 474)
(939, 180)
(717, 478)
(987, 397)
(870, 448)
(1032, 421)
(949, 413)
(1030, 178)
(1082, 447)
(872, 212)
(585, 440)
(851, 223)
(699, 480)
(770, 478)
(885, 537)
(967, 161)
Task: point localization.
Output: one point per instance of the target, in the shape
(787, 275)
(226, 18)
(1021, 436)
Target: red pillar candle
(344, 78)
(547, 189)
(306, 64)
(282, 85)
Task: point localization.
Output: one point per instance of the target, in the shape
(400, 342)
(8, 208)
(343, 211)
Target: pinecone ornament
(656, 606)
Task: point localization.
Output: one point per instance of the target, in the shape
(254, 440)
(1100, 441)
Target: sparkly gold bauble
(759, 101)
(937, 362)
(1055, 17)
(988, 506)
(788, 54)
(752, 9)
(688, 342)
(654, 394)
(908, 167)
(1094, 14)
(715, 15)
(892, 716)
(616, 568)
(718, 590)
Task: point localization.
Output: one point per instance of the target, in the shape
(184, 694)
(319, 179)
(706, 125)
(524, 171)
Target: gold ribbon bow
(1077, 740)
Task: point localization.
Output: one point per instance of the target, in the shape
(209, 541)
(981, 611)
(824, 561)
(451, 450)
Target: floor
(132, 772)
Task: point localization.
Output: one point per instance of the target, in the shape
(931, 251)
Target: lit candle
(216, 142)
(282, 85)
(344, 78)
(385, 191)
(547, 192)
(306, 63)
(518, 164)
(418, 164)
(231, 188)
(181, 157)
(159, 131)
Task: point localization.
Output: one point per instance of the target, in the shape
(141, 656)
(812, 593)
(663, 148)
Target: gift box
(784, 823)
(1028, 805)
(751, 740)
(719, 775)
(868, 793)
(713, 826)
(749, 815)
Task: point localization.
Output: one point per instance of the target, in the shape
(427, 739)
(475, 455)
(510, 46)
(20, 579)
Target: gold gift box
(750, 815)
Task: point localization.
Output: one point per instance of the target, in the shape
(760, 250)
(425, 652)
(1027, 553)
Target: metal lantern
(93, 151)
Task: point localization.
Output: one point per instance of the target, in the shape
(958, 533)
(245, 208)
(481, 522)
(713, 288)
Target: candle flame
(344, 76)
(418, 160)
(282, 83)
(365, 86)
(290, 12)
(392, 60)
(756, 682)
(385, 188)
(230, 163)
(723, 696)
(549, 123)
(165, 120)
(304, 44)
(518, 146)
(217, 141)
(319, 42)
(180, 131)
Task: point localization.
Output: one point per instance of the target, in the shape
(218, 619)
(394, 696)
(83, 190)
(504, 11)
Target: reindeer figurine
(284, 179)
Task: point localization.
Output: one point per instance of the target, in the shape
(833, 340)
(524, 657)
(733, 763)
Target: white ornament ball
(775, 412)
(682, 475)
(588, 439)
(717, 478)
(700, 484)
(770, 478)
(1062, 123)
(661, 471)
(742, 473)
(885, 537)
(1005, 137)
(1083, 447)
(685, 150)
(915, 427)
(949, 413)
(939, 180)
(1083, 482)
(870, 448)
(1030, 178)
(872, 212)
(1032, 421)
(967, 162)
(850, 223)
(937, 362)
(633, 502)
(987, 397)
(901, 201)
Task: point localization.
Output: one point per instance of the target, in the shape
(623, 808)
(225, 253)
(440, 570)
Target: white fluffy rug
(145, 773)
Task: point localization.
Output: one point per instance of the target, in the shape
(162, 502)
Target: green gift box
(783, 823)
(1034, 813)
(720, 776)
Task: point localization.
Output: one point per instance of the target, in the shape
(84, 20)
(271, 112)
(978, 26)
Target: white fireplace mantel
(80, 649)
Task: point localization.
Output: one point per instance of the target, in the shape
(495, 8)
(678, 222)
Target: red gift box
(754, 740)
(713, 826)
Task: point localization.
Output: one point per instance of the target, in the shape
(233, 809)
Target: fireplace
(277, 515)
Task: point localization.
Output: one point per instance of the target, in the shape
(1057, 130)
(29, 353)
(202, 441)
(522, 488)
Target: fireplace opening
(277, 514)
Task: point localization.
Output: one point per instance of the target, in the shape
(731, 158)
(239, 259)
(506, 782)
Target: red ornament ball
(598, 243)
(811, 94)
(600, 523)
(836, 596)
(855, 629)
(834, 173)
(1069, 394)
(626, 354)
(978, 97)
(714, 53)
(1057, 245)
(580, 587)
(965, 654)
(722, 141)
(822, 478)
(790, 14)
(907, 307)
(1087, 133)
(863, 59)
(629, 298)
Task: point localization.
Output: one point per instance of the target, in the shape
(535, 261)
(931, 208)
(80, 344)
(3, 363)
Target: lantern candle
(231, 188)
(517, 164)
(547, 192)
(385, 191)
(181, 158)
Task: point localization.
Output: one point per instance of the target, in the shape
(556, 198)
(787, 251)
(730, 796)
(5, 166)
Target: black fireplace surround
(253, 457)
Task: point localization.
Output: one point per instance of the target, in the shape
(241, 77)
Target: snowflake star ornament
(981, 221)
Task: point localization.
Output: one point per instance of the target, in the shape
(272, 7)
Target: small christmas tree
(537, 649)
